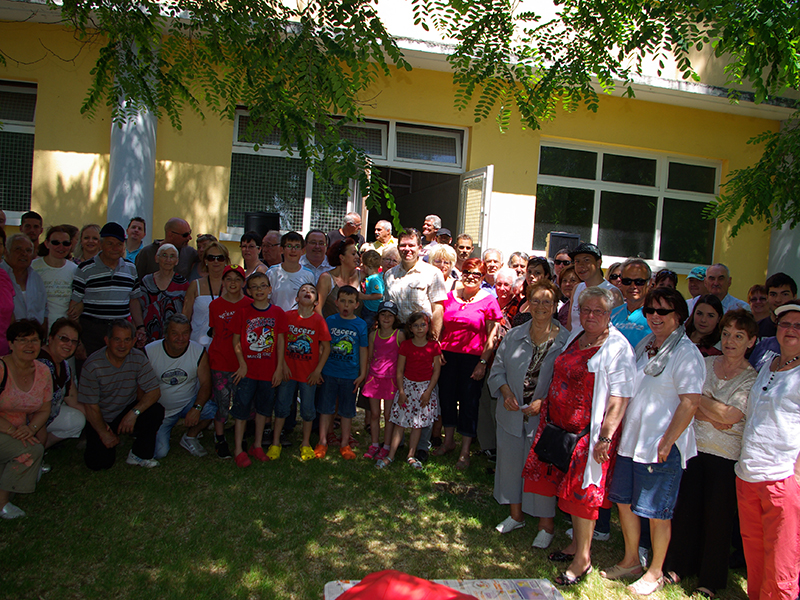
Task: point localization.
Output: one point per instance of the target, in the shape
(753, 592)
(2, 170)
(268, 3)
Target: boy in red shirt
(259, 340)
(308, 345)
(220, 353)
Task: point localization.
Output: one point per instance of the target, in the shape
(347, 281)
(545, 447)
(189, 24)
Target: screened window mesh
(17, 106)
(328, 206)
(272, 139)
(267, 183)
(16, 170)
(420, 146)
(368, 139)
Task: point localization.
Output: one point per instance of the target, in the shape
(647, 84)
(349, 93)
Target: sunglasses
(629, 281)
(559, 263)
(183, 235)
(215, 257)
(649, 310)
(67, 340)
(613, 277)
(57, 243)
(475, 274)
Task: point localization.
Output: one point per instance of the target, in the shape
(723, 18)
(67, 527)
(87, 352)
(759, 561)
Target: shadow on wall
(197, 193)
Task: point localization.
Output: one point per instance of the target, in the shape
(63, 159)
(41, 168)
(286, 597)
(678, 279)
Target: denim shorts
(333, 388)
(251, 392)
(650, 488)
(287, 392)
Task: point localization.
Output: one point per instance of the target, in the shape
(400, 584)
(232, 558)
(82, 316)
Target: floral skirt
(413, 414)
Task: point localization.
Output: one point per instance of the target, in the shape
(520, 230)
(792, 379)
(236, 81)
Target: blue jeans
(249, 392)
(286, 396)
(162, 436)
(332, 388)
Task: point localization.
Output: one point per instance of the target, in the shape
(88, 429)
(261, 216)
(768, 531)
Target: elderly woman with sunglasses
(537, 269)
(202, 291)
(657, 439)
(768, 471)
(67, 416)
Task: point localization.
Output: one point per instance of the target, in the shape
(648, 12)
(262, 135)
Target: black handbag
(556, 446)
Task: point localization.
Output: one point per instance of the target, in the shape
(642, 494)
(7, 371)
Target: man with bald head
(178, 233)
(271, 253)
(351, 227)
(383, 237)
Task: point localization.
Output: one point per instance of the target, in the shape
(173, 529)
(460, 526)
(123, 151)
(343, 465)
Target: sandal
(618, 572)
(566, 580)
(706, 592)
(560, 557)
(382, 463)
(462, 464)
(414, 463)
(442, 450)
(641, 587)
(671, 578)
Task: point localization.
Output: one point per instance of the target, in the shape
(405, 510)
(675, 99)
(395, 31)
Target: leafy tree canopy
(508, 59)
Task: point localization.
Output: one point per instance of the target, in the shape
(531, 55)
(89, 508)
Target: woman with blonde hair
(215, 258)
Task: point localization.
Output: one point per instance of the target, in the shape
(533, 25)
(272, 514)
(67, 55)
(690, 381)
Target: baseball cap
(388, 306)
(235, 269)
(698, 273)
(444, 231)
(114, 230)
(586, 248)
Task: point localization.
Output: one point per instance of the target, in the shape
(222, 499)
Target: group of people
(589, 388)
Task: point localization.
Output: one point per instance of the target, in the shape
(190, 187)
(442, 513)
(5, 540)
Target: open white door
(474, 200)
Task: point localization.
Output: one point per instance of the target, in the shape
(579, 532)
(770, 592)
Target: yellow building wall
(193, 165)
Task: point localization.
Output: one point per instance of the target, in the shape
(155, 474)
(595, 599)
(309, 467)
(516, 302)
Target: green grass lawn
(201, 528)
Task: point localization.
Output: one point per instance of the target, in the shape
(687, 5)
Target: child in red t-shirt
(220, 353)
(416, 403)
(259, 340)
(308, 345)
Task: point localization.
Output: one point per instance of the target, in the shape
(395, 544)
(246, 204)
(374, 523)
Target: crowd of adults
(587, 388)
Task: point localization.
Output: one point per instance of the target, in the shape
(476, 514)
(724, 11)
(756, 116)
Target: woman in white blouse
(768, 471)
(657, 437)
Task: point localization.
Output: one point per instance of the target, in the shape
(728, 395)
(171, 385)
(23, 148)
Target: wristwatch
(197, 407)
(137, 412)
(483, 361)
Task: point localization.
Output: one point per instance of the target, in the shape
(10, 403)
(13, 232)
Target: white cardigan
(614, 368)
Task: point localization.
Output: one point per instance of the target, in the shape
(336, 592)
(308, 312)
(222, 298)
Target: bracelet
(604, 439)
(34, 427)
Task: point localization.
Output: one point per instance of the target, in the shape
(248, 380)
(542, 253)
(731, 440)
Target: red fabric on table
(395, 585)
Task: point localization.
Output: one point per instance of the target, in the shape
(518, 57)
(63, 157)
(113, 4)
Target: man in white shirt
(30, 299)
(588, 261)
(315, 257)
(286, 278)
(718, 282)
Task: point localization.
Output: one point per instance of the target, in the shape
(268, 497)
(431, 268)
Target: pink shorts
(383, 388)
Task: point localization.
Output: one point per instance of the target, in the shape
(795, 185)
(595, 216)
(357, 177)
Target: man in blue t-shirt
(629, 318)
(344, 372)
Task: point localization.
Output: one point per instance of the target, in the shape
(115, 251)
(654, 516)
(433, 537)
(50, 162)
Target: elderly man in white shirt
(30, 296)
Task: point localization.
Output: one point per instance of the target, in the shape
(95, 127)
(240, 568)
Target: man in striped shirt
(105, 288)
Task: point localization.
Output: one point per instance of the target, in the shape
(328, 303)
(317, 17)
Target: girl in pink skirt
(384, 350)
(416, 404)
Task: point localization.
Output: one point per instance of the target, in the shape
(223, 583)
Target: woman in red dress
(592, 382)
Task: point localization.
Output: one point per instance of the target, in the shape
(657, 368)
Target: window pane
(562, 209)
(17, 106)
(692, 178)
(628, 169)
(267, 183)
(368, 139)
(328, 205)
(16, 170)
(272, 139)
(627, 224)
(420, 146)
(685, 235)
(568, 163)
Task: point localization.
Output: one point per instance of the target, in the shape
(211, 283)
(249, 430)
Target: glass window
(562, 209)
(692, 178)
(686, 236)
(17, 134)
(629, 169)
(328, 205)
(567, 163)
(17, 105)
(425, 147)
(627, 224)
(245, 137)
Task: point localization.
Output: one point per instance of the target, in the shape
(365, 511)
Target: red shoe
(320, 451)
(257, 452)
(242, 460)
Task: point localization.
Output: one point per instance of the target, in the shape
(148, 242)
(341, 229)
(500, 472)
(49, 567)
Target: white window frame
(14, 217)
(387, 158)
(660, 191)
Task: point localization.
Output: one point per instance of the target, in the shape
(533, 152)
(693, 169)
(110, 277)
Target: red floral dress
(569, 406)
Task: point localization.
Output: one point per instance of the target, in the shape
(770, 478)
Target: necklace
(583, 342)
(783, 366)
(725, 376)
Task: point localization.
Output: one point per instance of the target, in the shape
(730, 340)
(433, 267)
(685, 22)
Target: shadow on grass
(201, 528)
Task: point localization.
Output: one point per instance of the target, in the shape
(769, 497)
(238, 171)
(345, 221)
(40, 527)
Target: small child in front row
(374, 287)
(416, 404)
(259, 340)
(381, 383)
(345, 370)
(308, 345)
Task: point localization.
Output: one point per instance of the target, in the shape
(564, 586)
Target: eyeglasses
(537, 302)
(663, 312)
(559, 263)
(787, 325)
(215, 258)
(266, 245)
(183, 235)
(57, 243)
(258, 288)
(614, 277)
(594, 313)
(29, 341)
(67, 340)
(629, 281)
(471, 274)
(168, 257)
(293, 247)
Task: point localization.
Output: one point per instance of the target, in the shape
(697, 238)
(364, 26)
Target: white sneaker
(543, 539)
(597, 535)
(11, 511)
(147, 463)
(193, 446)
(509, 525)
